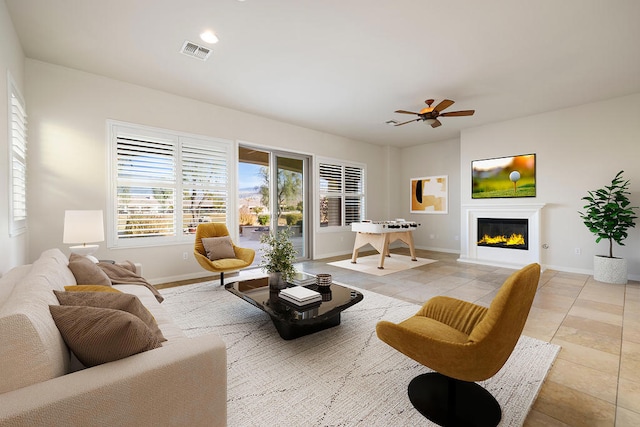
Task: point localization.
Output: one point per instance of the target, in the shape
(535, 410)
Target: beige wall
(68, 110)
(13, 249)
(578, 149)
(439, 232)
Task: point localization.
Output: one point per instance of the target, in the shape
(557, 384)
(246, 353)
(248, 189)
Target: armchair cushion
(218, 247)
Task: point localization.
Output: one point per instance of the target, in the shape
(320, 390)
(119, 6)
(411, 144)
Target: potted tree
(278, 256)
(608, 215)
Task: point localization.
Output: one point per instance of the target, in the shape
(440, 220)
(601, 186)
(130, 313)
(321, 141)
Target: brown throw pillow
(218, 247)
(101, 335)
(87, 272)
(117, 301)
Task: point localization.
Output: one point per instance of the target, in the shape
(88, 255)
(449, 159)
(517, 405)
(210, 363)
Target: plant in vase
(278, 256)
(609, 216)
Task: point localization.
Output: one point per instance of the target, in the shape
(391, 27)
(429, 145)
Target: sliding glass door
(273, 195)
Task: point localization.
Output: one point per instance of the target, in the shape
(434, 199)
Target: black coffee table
(294, 321)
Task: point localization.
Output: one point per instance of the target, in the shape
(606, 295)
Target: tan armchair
(243, 256)
(463, 343)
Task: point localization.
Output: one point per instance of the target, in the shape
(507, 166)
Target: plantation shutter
(146, 193)
(18, 166)
(164, 184)
(330, 195)
(341, 189)
(205, 182)
(354, 194)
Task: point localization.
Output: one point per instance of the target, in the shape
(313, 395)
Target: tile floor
(595, 380)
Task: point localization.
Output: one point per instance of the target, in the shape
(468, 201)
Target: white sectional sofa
(182, 383)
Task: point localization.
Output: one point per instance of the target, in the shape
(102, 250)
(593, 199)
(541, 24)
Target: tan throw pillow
(90, 288)
(87, 272)
(218, 247)
(117, 301)
(101, 335)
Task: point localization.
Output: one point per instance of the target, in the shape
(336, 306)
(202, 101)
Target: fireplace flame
(513, 240)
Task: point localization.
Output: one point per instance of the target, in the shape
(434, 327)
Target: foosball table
(380, 234)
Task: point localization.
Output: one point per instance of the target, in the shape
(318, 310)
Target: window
(165, 184)
(18, 161)
(342, 194)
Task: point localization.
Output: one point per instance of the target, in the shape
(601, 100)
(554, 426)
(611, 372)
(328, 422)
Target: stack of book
(299, 295)
(303, 279)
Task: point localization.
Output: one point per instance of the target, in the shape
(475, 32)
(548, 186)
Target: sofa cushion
(117, 301)
(86, 272)
(101, 335)
(218, 247)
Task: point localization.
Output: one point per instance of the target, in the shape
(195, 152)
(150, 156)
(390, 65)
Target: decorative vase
(276, 281)
(610, 270)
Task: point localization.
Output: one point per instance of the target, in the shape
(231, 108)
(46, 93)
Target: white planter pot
(610, 270)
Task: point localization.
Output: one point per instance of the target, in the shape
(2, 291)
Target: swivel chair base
(450, 402)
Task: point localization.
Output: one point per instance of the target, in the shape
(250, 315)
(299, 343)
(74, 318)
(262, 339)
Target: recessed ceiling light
(209, 37)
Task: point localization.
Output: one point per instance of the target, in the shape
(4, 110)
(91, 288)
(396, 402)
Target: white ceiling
(345, 66)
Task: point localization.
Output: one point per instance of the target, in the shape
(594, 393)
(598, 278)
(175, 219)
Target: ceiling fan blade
(405, 112)
(446, 103)
(436, 124)
(404, 123)
(458, 113)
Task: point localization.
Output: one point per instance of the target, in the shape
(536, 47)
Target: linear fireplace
(474, 250)
(509, 233)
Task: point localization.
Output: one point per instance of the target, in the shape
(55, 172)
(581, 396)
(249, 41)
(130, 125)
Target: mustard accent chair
(244, 256)
(463, 343)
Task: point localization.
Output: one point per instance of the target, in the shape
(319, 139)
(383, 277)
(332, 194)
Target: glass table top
(257, 292)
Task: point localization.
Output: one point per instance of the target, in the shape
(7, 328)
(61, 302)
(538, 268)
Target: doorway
(273, 189)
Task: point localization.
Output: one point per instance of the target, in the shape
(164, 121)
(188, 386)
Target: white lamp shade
(83, 227)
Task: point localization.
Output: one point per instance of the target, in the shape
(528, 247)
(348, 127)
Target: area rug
(393, 264)
(343, 376)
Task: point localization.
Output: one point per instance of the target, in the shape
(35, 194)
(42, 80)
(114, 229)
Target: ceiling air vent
(195, 51)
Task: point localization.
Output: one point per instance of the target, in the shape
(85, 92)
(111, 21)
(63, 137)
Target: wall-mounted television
(502, 177)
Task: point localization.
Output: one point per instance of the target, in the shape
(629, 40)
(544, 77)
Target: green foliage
(278, 253)
(608, 214)
(293, 218)
(263, 219)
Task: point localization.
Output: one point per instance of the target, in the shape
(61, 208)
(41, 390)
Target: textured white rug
(393, 264)
(343, 376)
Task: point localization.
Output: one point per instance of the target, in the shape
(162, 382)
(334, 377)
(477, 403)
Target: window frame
(17, 225)
(116, 130)
(343, 194)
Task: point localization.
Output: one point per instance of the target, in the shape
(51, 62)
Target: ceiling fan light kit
(429, 115)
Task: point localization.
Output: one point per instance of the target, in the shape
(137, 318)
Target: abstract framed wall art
(504, 177)
(430, 195)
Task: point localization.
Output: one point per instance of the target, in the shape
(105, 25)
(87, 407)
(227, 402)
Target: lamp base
(84, 250)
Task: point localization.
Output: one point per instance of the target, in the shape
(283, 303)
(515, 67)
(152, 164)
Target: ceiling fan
(430, 114)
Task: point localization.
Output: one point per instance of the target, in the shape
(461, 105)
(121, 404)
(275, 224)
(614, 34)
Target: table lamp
(82, 227)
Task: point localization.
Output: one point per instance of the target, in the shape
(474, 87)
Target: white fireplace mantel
(502, 257)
